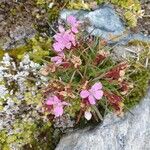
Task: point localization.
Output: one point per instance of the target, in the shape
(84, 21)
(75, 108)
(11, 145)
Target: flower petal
(98, 94)
(56, 99)
(96, 86)
(92, 100)
(55, 58)
(74, 29)
(65, 104)
(50, 101)
(58, 111)
(58, 47)
(61, 29)
(84, 93)
(71, 20)
(58, 37)
(87, 115)
(68, 45)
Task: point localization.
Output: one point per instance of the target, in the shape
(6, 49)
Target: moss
(53, 13)
(139, 43)
(75, 107)
(38, 47)
(1, 53)
(40, 2)
(141, 78)
(17, 52)
(31, 99)
(45, 140)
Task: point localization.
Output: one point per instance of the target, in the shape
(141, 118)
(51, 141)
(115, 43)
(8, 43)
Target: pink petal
(66, 37)
(97, 86)
(57, 47)
(50, 101)
(92, 100)
(54, 59)
(74, 29)
(57, 60)
(71, 20)
(61, 29)
(58, 37)
(56, 99)
(58, 111)
(68, 45)
(65, 103)
(61, 54)
(84, 93)
(98, 94)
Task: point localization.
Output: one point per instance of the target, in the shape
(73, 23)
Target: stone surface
(122, 52)
(132, 132)
(16, 23)
(103, 21)
(18, 37)
(106, 23)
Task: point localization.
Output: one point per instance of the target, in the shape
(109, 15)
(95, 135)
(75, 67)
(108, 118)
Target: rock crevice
(132, 132)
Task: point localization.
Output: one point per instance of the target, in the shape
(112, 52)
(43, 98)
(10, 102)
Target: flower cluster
(66, 38)
(83, 77)
(93, 94)
(56, 104)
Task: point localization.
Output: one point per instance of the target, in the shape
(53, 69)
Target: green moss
(40, 2)
(45, 140)
(141, 78)
(75, 107)
(53, 13)
(139, 43)
(31, 99)
(38, 47)
(1, 53)
(17, 52)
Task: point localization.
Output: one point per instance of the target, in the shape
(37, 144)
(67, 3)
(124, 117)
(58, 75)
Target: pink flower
(57, 105)
(72, 21)
(63, 39)
(58, 60)
(93, 94)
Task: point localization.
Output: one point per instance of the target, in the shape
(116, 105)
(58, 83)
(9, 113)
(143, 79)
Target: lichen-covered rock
(18, 37)
(132, 132)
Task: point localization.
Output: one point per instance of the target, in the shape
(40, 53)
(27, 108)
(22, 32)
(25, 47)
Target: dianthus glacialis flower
(72, 21)
(93, 94)
(57, 105)
(66, 38)
(58, 60)
(63, 39)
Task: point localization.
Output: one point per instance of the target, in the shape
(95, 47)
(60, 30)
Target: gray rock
(18, 37)
(132, 132)
(103, 21)
(121, 53)
(106, 23)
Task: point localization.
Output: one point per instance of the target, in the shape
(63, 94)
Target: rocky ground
(22, 19)
(132, 132)
(144, 23)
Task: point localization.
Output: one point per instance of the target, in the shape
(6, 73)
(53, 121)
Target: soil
(143, 24)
